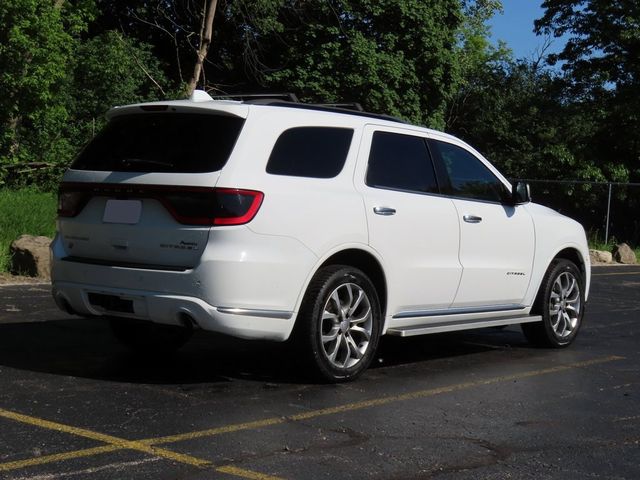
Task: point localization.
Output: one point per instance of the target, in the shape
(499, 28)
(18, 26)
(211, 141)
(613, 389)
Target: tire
(338, 327)
(560, 302)
(148, 337)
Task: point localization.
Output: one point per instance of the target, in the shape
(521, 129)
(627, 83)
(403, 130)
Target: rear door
(412, 227)
(141, 192)
(497, 240)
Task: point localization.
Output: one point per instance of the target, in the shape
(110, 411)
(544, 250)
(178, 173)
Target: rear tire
(561, 302)
(148, 337)
(338, 327)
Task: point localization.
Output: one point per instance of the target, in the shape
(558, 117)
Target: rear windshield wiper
(127, 162)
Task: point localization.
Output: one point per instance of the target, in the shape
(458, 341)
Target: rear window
(316, 152)
(162, 142)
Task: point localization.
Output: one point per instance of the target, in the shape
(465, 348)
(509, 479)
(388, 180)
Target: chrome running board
(440, 327)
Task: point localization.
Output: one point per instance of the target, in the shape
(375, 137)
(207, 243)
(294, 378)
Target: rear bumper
(245, 284)
(176, 310)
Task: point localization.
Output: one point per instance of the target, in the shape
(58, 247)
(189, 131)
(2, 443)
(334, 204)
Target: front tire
(338, 328)
(561, 302)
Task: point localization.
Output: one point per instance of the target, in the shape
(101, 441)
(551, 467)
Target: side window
(317, 152)
(468, 176)
(400, 162)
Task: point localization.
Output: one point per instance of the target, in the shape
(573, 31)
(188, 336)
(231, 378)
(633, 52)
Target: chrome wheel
(565, 304)
(346, 325)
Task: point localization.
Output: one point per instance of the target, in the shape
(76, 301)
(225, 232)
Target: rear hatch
(141, 193)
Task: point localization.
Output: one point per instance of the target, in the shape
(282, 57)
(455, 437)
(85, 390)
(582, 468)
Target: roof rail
(291, 97)
(291, 100)
(325, 108)
(349, 106)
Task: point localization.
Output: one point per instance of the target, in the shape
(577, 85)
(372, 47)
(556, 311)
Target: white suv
(268, 219)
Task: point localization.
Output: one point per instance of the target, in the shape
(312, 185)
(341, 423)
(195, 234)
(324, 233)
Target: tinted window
(400, 162)
(318, 152)
(468, 176)
(162, 142)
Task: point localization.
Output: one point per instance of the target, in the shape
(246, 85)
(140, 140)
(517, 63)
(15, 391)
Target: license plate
(122, 211)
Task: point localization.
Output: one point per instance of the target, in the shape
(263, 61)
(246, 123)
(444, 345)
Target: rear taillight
(188, 205)
(218, 206)
(71, 202)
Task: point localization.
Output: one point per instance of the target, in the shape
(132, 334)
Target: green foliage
(604, 39)
(36, 43)
(394, 57)
(603, 68)
(25, 211)
(109, 70)
(57, 85)
(530, 129)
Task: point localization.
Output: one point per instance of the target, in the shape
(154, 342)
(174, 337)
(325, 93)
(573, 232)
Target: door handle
(385, 211)
(472, 219)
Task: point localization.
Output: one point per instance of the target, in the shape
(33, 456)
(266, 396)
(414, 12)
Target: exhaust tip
(187, 320)
(64, 305)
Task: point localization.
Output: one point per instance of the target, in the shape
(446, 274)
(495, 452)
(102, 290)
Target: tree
(57, 82)
(206, 31)
(110, 69)
(603, 68)
(604, 39)
(395, 57)
(180, 32)
(475, 53)
(36, 43)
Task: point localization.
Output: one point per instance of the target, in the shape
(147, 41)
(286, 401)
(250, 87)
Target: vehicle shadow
(86, 348)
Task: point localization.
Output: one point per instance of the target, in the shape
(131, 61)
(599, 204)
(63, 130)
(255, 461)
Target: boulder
(600, 256)
(624, 254)
(30, 256)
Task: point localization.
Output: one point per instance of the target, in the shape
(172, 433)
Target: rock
(600, 256)
(30, 256)
(623, 254)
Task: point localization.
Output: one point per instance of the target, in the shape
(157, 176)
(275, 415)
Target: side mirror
(520, 193)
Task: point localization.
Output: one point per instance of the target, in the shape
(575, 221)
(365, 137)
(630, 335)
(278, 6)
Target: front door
(497, 240)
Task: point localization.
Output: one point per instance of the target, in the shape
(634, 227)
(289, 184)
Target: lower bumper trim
(256, 313)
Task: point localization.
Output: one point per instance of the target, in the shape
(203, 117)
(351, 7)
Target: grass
(598, 244)
(25, 211)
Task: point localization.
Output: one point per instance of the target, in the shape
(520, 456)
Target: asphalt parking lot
(74, 404)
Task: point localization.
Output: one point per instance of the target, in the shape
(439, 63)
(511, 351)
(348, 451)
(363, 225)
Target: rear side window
(162, 142)
(316, 152)
(400, 162)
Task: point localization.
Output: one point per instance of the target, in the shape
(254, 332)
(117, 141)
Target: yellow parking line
(241, 472)
(147, 445)
(614, 273)
(115, 442)
(211, 432)
(373, 402)
(56, 457)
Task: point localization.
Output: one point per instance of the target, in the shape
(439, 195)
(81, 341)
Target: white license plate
(122, 211)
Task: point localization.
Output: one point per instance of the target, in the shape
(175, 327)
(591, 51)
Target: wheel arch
(361, 259)
(574, 255)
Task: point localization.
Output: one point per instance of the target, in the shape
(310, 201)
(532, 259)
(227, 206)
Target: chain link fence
(609, 211)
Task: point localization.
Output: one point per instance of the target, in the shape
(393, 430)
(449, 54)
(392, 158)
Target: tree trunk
(206, 32)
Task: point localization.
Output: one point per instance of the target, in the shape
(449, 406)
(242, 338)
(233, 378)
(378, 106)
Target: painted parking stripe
(150, 442)
(115, 442)
(375, 402)
(56, 457)
(241, 472)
